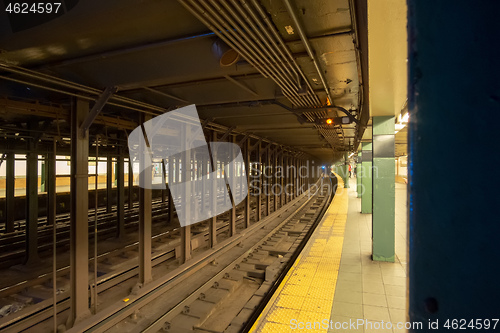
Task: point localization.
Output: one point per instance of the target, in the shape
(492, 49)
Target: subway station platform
(334, 285)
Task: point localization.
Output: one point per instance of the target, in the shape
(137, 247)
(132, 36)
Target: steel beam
(232, 174)
(268, 182)
(282, 184)
(96, 109)
(51, 186)
(274, 188)
(170, 177)
(164, 191)
(259, 195)
(109, 184)
(248, 179)
(145, 274)
(130, 184)
(166, 95)
(241, 85)
(227, 133)
(32, 201)
(79, 236)
(285, 179)
(212, 223)
(203, 190)
(187, 183)
(120, 193)
(10, 192)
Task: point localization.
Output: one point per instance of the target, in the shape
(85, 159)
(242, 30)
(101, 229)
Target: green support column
(346, 170)
(358, 174)
(383, 189)
(366, 178)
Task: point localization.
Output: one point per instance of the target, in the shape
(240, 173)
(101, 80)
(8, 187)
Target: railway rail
(248, 263)
(33, 296)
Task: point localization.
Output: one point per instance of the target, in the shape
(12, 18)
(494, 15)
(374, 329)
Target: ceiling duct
(226, 55)
(246, 28)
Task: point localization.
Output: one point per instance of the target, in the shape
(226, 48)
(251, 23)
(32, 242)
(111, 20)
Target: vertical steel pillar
(31, 202)
(10, 192)
(79, 229)
(274, 188)
(187, 181)
(203, 190)
(291, 179)
(259, 173)
(163, 190)
(248, 179)
(232, 174)
(282, 183)
(120, 193)
(177, 171)
(43, 174)
(212, 223)
(145, 180)
(170, 177)
(51, 186)
(299, 183)
(286, 179)
(268, 181)
(109, 184)
(130, 184)
(166, 190)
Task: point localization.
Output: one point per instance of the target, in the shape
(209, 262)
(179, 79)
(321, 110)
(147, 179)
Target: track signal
(333, 121)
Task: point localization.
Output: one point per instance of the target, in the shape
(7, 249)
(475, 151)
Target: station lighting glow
(329, 121)
(405, 118)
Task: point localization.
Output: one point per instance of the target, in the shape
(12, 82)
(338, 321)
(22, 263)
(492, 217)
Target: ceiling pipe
(231, 28)
(148, 107)
(68, 84)
(221, 32)
(309, 50)
(222, 22)
(272, 48)
(284, 47)
(307, 45)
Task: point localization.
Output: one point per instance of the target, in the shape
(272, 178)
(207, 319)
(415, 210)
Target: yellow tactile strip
(306, 293)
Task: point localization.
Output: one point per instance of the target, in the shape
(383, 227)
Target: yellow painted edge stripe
(333, 209)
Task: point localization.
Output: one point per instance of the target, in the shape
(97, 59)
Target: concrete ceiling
(159, 45)
(387, 47)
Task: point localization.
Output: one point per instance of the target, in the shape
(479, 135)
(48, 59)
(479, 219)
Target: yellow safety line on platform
(306, 293)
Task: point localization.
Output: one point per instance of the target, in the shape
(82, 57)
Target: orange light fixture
(329, 121)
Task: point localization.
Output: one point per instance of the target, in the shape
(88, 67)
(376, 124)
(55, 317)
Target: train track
(218, 290)
(12, 246)
(114, 267)
(263, 252)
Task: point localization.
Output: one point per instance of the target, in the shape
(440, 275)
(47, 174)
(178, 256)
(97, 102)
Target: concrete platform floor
(369, 290)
